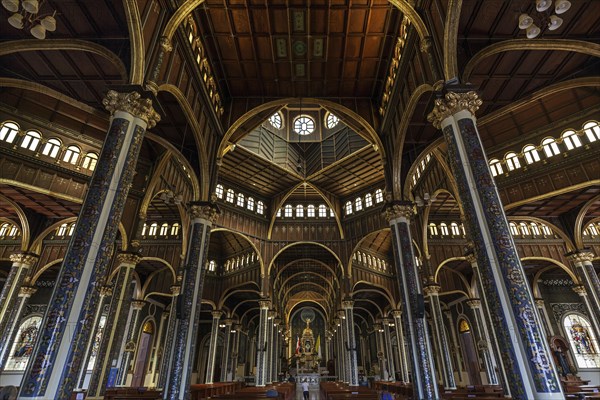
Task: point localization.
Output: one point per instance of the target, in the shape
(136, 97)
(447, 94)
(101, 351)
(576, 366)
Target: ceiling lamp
(25, 16)
(535, 25)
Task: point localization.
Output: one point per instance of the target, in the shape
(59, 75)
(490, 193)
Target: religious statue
(308, 338)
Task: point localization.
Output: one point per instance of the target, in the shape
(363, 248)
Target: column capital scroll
(580, 290)
(27, 259)
(129, 258)
(216, 314)
(474, 303)
(106, 290)
(452, 103)
(397, 313)
(228, 321)
(264, 304)
(204, 210)
(27, 291)
(138, 304)
(539, 303)
(132, 103)
(580, 257)
(347, 304)
(175, 290)
(165, 44)
(398, 209)
(432, 289)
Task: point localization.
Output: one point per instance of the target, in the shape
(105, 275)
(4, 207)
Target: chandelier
(25, 16)
(544, 18)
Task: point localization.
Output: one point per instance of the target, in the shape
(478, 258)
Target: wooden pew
(128, 393)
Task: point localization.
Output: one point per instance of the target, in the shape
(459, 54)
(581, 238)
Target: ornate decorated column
(350, 343)
(345, 368)
(111, 347)
(531, 374)
(129, 344)
(276, 349)
(381, 356)
(424, 381)
(164, 48)
(483, 345)
(227, 345)
(590, 281)
(439, 335)
(587, 300)
(235, 350)
(403, 366)
(262, 344)
(157, 348)
(167, 349)
(387, 339)
(9, 296)
(212, 347)
(202, 216)
(541, 306)
(57, 357)
(270, 347)
(8, 335)
(340, 353)
(457, 356)
(105, 291)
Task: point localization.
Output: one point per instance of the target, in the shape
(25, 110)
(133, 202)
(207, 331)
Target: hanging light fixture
(535, 24)
(25, 16)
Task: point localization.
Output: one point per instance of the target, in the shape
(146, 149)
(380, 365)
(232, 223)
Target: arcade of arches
(212, 191)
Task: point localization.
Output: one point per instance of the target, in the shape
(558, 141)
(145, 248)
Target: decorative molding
(132, 103)
(128, 258)
(560, 309)
(26, 259)
(207, 211)
(452, 103)
(27, 291)
(398, 210)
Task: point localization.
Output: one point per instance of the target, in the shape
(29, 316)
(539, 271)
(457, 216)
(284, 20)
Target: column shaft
(58, 353)
(350, 343)
(226, 355)
(483, 345)
(129, 345)
(388, 350)
(403, 367)
(439, 334)
(8, 336)
(212, 347)
(167, 351)
(590, 281)
(261, 345)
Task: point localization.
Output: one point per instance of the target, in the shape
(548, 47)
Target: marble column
(130, 343)
(350, 343)
(270, 349)
(590, 281)
(541, 306)
(183, 351)
(587, 300)
(227, 344)
(112, 344)
(532, 373)
(340, 356)
(212, 347)
(235, 350)
(403, 366)
(387, 339)
(8, 335)
(483, 345)
(58, 354)
(381, 356)
(276, 349)
(439, 335)
(345, 368)
(423, 374)
(9, 297)
(262, 344)
(456, 353)
(167, 348)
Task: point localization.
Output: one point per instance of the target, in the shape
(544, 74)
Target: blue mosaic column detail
(529, 366)
(186, 334)
(112, 340)
(57, 357)
(261, 344)
(483, 345)
(9, 296)
(129, 344)
(403, 367)
(439, 335)
(590, 281)
(167, 350)
(424, 379)
(351, 340)
(16, 315)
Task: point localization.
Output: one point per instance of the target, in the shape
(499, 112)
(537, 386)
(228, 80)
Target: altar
(313, 379)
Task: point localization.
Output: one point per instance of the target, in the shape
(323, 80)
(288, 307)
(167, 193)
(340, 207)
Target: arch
(167, 266)
(199, 139)
(572, 188)
(225, 296)
(451, 24)
(299, 243)
(43, 269)
(577, 46)
(578, 228)
(444, 264)
(555, 229)
(324, 265)
(386, 294)
(136, 41)
(329, 284)
(36, 246)
(407, 9)
(16, 46)
(560, 265)
(178, 16)
(289, 193)
(25, 232)
(357, 247)
(247, 238)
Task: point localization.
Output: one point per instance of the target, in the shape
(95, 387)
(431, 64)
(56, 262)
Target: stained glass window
(23, 345)
(583, 341)
(304, 125)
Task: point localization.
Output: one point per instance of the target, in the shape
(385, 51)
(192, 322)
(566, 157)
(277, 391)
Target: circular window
(331, 121)
(304, 125)
(276, 121)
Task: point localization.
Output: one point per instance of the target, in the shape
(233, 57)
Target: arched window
(52, 147)
(495, 167)
(287, 211)
(278, 214)
(310, 211)
(153, 229)
(260, 207)
(378, 196)
(331, 213)
(358, 204)
(583, 340)
(23, 345)
(8, 132)
(250, 203)
(240, 200)
(444, 229)
(531, 154)
(4, 229)
(535, 230)
(62, 230)
(591, 230)
(322, 211)
(368, 200)
(546, 230)
(592, 131)
(348, 207)
(175, 229)
(513, 228)
(71, 229)
(219, 191)
(550, 147)
(144, 229)
(331, 120)
(300, 211)
(31, 140)
(164, 229)
(433, 229)
(230, 196)
(512, 161)
(276, 121)
(212, 266)
(454, 228)
(89, 161)
(524, 229)
(571, 140)
(71, 155)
